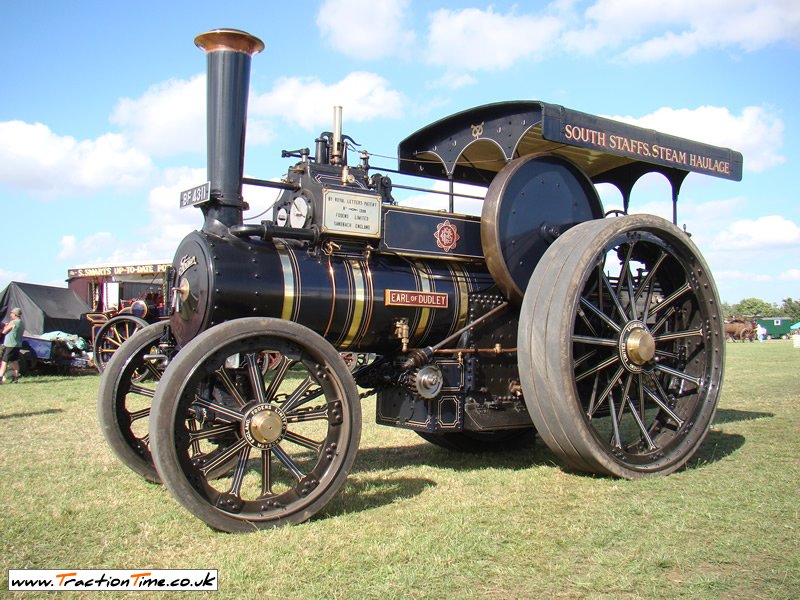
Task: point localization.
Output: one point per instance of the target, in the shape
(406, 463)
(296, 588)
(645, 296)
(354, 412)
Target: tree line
(755, 306)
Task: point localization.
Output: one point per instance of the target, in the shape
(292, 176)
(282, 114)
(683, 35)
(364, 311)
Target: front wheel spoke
(679, 374)
(139, 414)
(300, 395)
(303, 441)
(223, 456)
(154, 371)
(222, 413)
(266, 473)
(280, 374)
(312, 413)
(210, 432)
(142, 391)
(638, 418)
(287, 462)
(238, 473)
(662, 401)
(230, 386)
(606, 319)
(255, 377)
(606, 363)
(678, 335)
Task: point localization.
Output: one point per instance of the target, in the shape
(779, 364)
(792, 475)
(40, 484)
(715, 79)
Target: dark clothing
(10, 354)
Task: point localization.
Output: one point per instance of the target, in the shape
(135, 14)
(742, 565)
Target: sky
(102, 110)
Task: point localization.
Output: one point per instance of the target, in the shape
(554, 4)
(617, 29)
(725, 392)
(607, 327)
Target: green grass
(414, 521)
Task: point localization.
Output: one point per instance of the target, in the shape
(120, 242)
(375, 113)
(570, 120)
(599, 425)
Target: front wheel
(126, 391)
(285, 437)
(621, 347)
(112, 335)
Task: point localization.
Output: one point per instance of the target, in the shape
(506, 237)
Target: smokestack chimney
(229, 52)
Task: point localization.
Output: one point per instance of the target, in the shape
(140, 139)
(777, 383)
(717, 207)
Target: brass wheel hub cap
(264, 426)
(637, 346)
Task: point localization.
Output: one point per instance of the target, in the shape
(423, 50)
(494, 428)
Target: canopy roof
(473, 145)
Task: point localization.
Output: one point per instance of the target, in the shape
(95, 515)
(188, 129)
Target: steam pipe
(229, 53)
(336, 151)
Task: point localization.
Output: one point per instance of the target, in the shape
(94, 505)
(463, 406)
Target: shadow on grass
(716, 446)
(424, 454)
(730, 415)
(373, 492)
(35, 413)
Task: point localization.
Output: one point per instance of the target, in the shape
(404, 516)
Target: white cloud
(7, 277)
(755, 132)
(34, 158)
(649, 31)
(309, 102)
(790, 275)
(453, 80)
(472, 39)
(72, 248)
(168, 118)
(772, 231)
(366, 29)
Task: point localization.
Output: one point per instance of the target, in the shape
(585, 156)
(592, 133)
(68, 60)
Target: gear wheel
(426, 382)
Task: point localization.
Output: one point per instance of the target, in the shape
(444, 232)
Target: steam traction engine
(602, 334)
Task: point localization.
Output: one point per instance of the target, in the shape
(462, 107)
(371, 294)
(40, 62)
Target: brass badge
(446, 236)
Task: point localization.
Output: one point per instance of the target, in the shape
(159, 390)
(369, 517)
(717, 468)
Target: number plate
(196, 195)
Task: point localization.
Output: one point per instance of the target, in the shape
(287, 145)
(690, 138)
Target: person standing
(12, 342)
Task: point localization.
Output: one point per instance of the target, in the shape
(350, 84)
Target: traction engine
(602, 334)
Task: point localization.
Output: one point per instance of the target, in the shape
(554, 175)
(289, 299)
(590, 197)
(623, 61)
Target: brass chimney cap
(218, 40)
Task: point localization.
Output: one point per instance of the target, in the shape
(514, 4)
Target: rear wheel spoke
(638, 418)
(597, 368)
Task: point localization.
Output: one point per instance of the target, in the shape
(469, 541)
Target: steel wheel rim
(645, 372)
(111, 338)
(133, 399)
(268, 476)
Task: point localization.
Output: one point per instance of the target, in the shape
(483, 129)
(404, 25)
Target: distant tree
(791, 308)
(727, 310)
(755, 306)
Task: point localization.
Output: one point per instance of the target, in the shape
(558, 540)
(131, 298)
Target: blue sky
(102, 109)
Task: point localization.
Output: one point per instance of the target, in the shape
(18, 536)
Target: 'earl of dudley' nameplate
(351, 214)
(416, 299)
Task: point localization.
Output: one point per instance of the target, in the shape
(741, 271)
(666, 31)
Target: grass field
(415, 521)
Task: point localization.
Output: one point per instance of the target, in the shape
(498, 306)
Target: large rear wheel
(285, 436)
(621, 347)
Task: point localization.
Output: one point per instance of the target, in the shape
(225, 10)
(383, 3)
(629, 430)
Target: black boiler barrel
(353, 301)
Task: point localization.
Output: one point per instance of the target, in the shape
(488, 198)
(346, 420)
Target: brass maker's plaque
(351, 214)
(417, 299)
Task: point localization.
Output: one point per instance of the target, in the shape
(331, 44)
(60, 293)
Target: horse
(739, 329)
